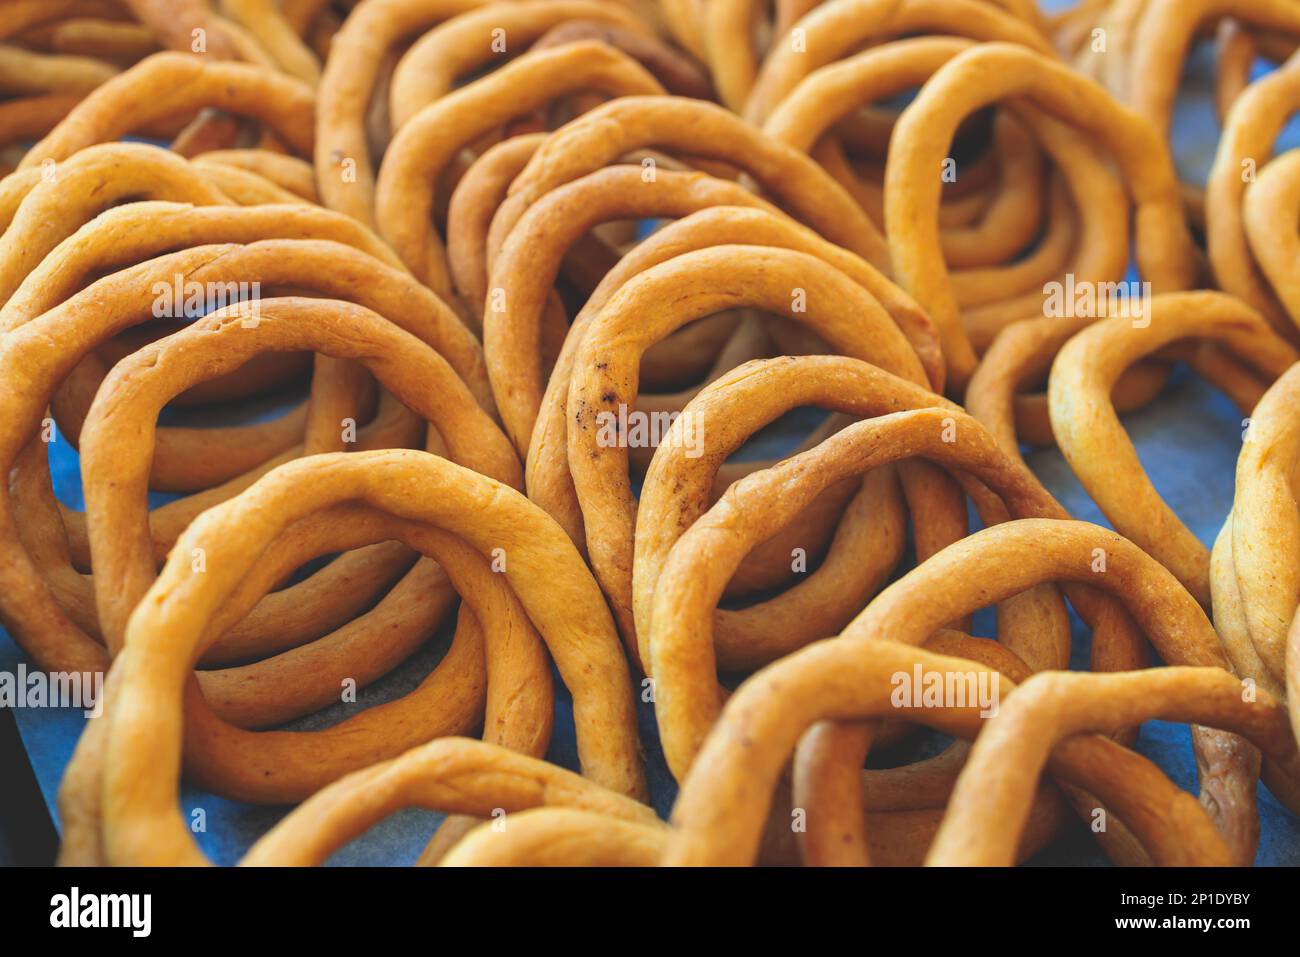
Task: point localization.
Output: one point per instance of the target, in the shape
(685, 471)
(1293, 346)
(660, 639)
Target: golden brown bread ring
(1093, 440)
(175, 21)
(840, 27)
(167, 84)
(697, 129)
(1046, 715)
(1164, 36)
(666, 297)
(287, 172)
(987, 74)
(712, 824)
(560, 837)
(1245, 147)
(524, 271)
(420, 152)
(27, 72)
(679, 644)
(1265, 531)
(451, 774)
(269, 27)
(193, 459)
(677, 490)
(466, 43)
(1273, 238)
(545, 571)
(116, 447)
(680, 75)
(1101, 253)
(547, 472)
(344, 169)
(33, 615)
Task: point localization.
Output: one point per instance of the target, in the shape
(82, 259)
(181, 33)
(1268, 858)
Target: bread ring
(655, 303)
(464, 44)
(1265, 528)
(421, 150)
(548, 480)
(1034, 726)
(116, 480)
(1246, 146)
(840, 27)
(524, 271)
(561, 837)
(833, 678)
(344, 170)
(1093, 441)
(167, 84)
(677, 491)
(695, 128)
(451, 774)
(984, 75)
(1164, 35)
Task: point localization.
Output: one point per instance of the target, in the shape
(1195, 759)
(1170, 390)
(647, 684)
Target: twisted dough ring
(1044, 717)
(463, 45)
(1009, 219)
(696, 129)
(1164, 35)
(679, 643)
(1272, 236)
(677, 491)
(1259, 587)
(525, 268)
(666, 297)
(840, 27)
(677, 71)
(986, 74)
(1168, 616)
(712, 824)
(421, 150)
(734, 64)
(27, 72)
(169, 84)
(1095, 444)
(560, 837)
(1100, 251)
(344, 169)
(117, 449)
(268, 25)
(173, 22)
(195, 459)
(1246, 145)
(451, 774)
(171, 625)
(82, 320)
(548, 477)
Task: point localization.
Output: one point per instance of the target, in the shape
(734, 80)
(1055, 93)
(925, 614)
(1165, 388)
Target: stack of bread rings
(450, 338)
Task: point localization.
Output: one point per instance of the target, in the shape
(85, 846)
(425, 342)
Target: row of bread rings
(513, 218)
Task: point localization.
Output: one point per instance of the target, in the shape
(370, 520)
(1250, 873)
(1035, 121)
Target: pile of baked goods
(520, 279)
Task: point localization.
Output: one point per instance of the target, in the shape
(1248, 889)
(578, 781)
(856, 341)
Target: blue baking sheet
(1188, 441)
